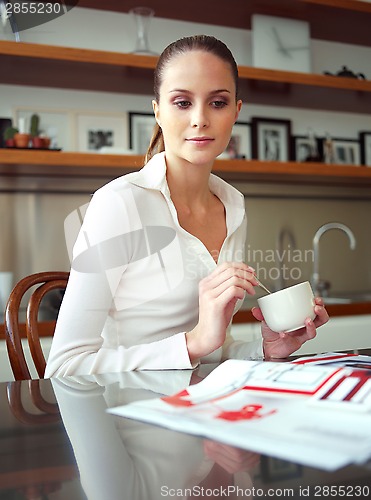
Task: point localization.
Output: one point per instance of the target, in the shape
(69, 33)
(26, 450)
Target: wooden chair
(46, 412)
(46, 281)
(47, 462)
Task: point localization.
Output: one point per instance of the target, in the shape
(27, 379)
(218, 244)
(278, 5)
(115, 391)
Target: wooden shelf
(18, 163)
(66, 67)
(353, 5)
(294, 173)
(34, 157)
(72, 68)
(56, 52)
(51, 53)
(270, 75)
(55, 164)
(345, 21)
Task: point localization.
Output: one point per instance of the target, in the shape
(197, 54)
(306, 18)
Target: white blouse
(133, 287)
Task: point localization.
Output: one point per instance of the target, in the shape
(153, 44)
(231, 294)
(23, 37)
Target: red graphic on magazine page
(177, 399)
(248, 412)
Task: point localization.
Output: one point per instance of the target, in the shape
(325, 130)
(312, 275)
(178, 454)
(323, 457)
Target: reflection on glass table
(89, 453)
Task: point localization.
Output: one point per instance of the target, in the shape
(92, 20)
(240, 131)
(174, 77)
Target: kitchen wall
(301, 211)
(32, 229)
(32, 224)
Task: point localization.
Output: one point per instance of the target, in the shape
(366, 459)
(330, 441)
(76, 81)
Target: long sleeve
(91, 334)
(79, 348)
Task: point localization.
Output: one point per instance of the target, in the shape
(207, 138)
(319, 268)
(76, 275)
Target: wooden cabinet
(72, 68)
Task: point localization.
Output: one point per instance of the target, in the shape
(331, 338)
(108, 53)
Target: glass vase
(142, 16)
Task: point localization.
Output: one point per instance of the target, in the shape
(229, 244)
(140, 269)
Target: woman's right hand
(218, 294)
(232, 459)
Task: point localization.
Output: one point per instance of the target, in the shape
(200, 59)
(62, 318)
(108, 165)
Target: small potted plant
(9, 134)
(46, 141)
(22, 139)
(39, 139)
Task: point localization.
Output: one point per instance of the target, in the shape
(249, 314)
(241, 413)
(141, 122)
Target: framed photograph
(57, 124)
(141, 126)
(4, 124)
(305, 148)
(365, 144)
(346, 152)
(271, 139)
(100, 130)
(275, 469)
(240, 144)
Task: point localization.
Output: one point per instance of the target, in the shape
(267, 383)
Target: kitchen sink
(348, 298)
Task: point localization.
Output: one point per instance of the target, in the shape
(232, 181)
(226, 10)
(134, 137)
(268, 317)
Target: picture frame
(141, 126)
(346, 151)
(57, 124)
(302, 149)
(274, 469)
(239, 146)
(365, 148)
(4, 124)
(271, 139)
(96, 130)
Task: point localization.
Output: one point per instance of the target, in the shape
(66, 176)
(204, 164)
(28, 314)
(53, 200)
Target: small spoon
(262, 286)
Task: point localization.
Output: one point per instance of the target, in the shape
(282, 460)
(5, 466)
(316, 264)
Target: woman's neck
(189, 185)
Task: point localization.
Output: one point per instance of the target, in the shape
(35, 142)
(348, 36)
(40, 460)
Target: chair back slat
(47, 281)
(47, 412)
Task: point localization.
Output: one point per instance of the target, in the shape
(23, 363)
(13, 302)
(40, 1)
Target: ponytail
(156, 144)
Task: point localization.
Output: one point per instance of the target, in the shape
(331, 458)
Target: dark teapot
(346, 72)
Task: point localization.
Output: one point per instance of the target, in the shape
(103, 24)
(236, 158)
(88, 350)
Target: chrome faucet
(316, 282)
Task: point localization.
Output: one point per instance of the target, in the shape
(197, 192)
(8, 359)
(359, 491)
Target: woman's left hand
(280, 344)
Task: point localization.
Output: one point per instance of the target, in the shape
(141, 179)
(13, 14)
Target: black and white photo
(271, 139)
(305, 148)
(141, 126)
(239, 146)
(97, 130)
(365, 143)
(346, 152)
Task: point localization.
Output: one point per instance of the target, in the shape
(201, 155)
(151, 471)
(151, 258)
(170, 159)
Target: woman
(158, 269)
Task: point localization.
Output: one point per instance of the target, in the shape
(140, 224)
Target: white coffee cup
(287, 309)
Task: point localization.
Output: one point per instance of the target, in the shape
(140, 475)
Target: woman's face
(197, 107)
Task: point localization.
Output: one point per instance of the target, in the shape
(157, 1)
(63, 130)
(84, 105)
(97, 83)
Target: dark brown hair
(204, 43)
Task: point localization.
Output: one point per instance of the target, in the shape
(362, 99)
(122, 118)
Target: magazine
(315, 414)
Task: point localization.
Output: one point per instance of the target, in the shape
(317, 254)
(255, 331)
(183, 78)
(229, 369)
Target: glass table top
(58, 441)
